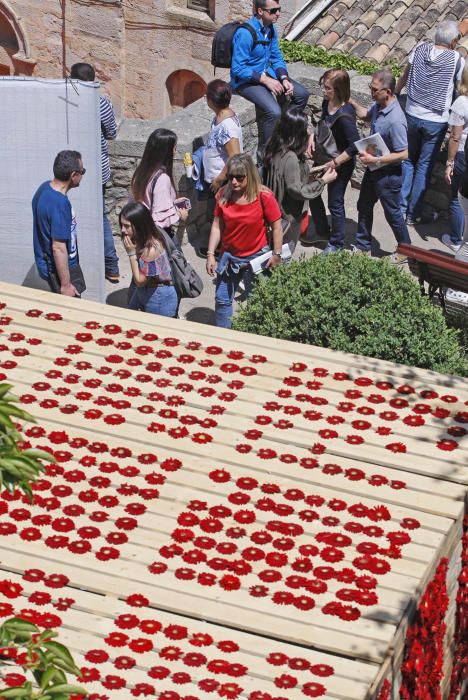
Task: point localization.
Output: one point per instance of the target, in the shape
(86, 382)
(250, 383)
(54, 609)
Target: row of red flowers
(422, 666)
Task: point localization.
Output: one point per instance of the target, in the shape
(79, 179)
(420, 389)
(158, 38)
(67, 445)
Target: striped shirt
(108, 133)
(431, 77)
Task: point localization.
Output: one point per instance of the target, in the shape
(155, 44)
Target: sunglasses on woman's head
(239, 178)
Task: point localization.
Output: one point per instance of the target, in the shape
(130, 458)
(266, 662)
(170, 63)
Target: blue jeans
(336, 193)
(384, 185)
(263, 98)
(111, 260)
(456, 214)
(230, 271)
(424, 141)
(162, 300)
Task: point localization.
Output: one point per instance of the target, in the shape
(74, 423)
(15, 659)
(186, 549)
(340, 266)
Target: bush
(318, 56)
(460, 322)
(354, 304)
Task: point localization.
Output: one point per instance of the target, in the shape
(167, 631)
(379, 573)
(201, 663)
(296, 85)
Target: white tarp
(39, 118)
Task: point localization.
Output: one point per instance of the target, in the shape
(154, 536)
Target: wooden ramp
(288, 499)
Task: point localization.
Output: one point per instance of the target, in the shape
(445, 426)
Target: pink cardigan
(160, 202)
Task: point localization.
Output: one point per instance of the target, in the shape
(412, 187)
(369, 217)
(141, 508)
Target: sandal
(112, 278)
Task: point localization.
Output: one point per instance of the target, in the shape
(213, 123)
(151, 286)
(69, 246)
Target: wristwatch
(278, 253)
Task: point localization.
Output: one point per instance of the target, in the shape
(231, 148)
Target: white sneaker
(358, 251)
(446, 240)
(398, 259)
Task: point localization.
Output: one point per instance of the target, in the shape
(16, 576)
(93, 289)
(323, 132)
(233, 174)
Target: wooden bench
(437, 269)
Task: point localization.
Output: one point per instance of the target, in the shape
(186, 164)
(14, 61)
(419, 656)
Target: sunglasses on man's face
(272, 10)
(238, 178)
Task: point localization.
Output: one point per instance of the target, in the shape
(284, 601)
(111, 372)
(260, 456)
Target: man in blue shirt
(384, 183)
(259, 73)
(54, 225)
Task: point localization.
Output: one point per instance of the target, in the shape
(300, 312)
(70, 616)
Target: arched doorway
(184, 87)
(8, 46)
(15, 56)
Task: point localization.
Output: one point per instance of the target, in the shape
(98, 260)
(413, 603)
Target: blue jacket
(247, 65)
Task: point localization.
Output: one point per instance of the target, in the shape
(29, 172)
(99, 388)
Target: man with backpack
(258, 69)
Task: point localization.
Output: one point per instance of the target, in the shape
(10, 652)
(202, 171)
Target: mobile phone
(183, 203)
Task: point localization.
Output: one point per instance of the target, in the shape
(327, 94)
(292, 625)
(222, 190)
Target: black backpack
(221, 49)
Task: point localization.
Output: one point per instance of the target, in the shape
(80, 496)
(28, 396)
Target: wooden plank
(96, 615)
(247, 410)
(21, 298)
(223, 447)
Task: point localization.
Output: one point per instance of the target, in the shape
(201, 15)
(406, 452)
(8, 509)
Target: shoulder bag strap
(155, 179)
(170, 245)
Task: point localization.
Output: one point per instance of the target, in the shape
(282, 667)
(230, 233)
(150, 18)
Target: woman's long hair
(290, 134)
(242, 164)
(158, 155)
(144, 228)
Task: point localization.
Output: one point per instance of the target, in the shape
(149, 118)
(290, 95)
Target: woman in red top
(243, 208)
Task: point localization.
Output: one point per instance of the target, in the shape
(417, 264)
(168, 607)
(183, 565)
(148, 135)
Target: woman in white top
(224, 141)
(458, 122)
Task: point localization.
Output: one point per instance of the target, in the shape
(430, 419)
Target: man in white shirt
(430, 76)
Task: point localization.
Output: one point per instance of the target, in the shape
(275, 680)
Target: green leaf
(60, 653)
(47, 677)
(19, 692)
(17, 624)
(66, 688)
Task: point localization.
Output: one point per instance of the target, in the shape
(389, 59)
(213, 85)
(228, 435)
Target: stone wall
(192, 125)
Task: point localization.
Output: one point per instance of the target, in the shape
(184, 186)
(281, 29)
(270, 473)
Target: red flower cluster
(460, 655)
(422, 667)
(384, 693)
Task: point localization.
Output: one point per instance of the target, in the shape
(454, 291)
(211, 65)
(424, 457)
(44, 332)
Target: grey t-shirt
(390, 123)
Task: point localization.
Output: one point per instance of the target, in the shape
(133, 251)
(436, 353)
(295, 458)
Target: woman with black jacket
(340, 116)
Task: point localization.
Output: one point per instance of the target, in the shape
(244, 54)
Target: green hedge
(354, 304)
(318, 56)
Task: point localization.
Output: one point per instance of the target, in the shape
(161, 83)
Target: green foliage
(318, 56)
(354, 304)
(18, 468)
(48, 661)
(459, 321)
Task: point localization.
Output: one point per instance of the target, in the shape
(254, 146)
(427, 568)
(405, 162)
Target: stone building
(152, 56)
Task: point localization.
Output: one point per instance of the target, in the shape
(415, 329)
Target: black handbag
(76, 278)
(325, 144)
